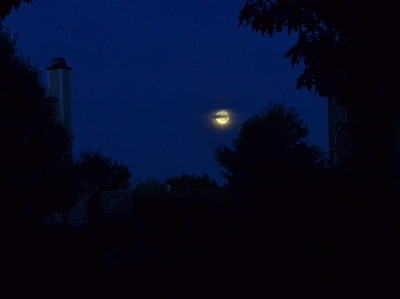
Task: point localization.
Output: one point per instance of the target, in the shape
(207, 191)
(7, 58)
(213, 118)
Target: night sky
(147, 76)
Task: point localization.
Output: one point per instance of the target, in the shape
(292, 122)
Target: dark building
(339, 137)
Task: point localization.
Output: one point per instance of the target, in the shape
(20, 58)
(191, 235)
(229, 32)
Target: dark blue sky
(147, 74)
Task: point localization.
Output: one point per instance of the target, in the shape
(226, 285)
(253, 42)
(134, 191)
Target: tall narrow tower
(59, 76)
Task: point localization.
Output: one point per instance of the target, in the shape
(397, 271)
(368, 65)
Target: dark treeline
(286, 224)
(7, 5)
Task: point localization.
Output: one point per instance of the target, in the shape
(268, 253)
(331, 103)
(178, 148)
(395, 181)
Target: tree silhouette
(97, 173)
(351, 59)
(7, 5)
(35, 159)
(186, 181)
(271, 154)
(150, 189)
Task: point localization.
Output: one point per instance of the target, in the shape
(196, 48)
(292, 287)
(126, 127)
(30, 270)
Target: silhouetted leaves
(97, 172)
(36, 156)
(151, 189)
(270, 155)
(349, 55)
(186, 181)
(7, 5)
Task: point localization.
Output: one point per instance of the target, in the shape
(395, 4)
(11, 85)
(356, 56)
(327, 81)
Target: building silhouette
(339, 137)
(59, 83)
(115, 203)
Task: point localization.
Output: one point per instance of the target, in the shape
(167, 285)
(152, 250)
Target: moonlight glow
(222, 117)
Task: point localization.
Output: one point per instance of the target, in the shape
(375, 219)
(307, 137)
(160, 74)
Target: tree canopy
(150, 190)
(186, 181)
(183, 186)
(98, 173)
(36, 150)
(270, 153)
(7, 5)
(349, 55)
(342, 55)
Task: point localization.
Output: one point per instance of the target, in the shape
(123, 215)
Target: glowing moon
(222, 117)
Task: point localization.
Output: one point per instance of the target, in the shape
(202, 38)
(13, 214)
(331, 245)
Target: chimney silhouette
(59, 83)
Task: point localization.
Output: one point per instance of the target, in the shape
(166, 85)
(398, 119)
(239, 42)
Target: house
(116, 202)
(76, 217)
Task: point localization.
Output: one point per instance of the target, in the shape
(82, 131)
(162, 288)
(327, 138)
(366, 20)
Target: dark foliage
(181, 249)
(172, 249)
(97, 172)
(35, 159)
(349, 55)
(190, 182)
(270, 156)
(183, 187)
(150, 189)
(346, 47)
(7, 5)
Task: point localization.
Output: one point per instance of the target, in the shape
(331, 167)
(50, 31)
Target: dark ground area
(194, 250)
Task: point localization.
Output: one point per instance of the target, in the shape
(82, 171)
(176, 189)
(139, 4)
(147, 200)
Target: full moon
(222, 117)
